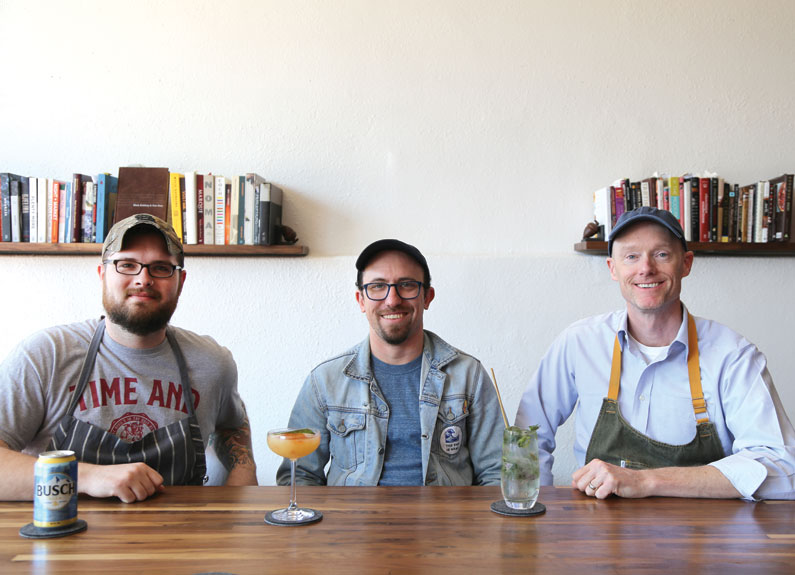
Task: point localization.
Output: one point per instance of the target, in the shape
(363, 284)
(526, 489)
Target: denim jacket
(461, 426)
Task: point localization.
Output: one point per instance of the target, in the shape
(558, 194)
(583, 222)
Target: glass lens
(408, 290)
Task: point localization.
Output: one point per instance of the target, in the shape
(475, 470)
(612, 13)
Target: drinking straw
(497, 389)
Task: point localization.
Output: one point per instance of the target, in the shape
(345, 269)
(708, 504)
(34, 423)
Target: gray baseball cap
(646, 214)
(115, 238)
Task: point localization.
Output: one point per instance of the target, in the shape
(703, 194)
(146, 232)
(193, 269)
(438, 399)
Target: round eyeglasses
(133, 268)
(379, 291)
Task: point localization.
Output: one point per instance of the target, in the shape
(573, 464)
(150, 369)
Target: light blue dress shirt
(755, 432)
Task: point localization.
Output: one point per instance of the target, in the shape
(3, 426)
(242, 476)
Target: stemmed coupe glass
(293, 444)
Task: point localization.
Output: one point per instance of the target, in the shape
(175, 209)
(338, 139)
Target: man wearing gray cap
(136, 399)
(403, 407)
(668, 404)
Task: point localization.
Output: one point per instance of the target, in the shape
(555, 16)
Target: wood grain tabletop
(189, 530)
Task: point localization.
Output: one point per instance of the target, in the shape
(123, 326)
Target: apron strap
(693, 372)
(88, 363)
(183, 371)
(615, 372)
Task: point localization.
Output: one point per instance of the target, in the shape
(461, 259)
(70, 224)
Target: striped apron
(615, 441)
(175, 451)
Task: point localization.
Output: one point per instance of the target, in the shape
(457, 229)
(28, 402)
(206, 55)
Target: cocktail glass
(293, 444)
(519, 477)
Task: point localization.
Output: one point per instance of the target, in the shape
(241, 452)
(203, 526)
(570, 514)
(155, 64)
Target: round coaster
(271, 520)
(32, 532)
(500, 507)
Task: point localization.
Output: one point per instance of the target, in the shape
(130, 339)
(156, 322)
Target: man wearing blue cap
(668, 404)
(403, 407)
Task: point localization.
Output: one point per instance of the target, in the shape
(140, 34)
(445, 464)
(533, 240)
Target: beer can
(55, 496)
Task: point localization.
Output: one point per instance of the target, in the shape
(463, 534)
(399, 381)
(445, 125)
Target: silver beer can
(55, 495)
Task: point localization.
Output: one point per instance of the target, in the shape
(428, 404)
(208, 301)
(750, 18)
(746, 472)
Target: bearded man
(136, 399)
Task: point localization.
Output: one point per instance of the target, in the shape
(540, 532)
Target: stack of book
(203, 208)
(709, 208)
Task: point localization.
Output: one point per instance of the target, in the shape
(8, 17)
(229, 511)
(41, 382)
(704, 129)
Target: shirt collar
(681, 336)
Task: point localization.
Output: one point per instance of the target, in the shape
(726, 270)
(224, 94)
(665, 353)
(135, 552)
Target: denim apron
(175, 451)
(615, 441)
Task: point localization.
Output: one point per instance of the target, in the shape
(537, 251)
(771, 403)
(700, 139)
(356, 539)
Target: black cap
(392, 245)
(646, 214)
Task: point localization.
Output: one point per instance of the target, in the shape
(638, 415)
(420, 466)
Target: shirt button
(342, 428)
(380, 451)
(642, 398)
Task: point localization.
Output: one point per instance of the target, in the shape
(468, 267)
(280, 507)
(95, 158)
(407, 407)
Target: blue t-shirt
(400, 386)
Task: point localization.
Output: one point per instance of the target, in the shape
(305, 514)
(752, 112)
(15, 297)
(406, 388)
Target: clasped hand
(600, 479)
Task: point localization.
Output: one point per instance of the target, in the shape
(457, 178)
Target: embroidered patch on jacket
(132, 426)
(450, 439)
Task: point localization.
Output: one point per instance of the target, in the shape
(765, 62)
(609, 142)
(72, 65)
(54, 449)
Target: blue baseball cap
(646, 214)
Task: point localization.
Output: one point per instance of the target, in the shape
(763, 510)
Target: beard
(395, 336)
(137, 320)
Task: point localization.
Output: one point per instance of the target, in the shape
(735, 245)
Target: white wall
(475, 130)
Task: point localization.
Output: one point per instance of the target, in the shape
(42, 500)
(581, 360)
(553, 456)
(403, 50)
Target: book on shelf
(142, 190)
(42, 228)
(33, 210)
(174, 216)
(107, 189)
(234, 210)
(5, 204)
(191, 214)
(780, 188)
(271, 214)
(209, 209)
(199, 208)
(15, 211)
(220, 209)
(227, 211)
(253, 223)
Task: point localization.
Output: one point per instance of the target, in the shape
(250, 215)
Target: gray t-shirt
(130, 392)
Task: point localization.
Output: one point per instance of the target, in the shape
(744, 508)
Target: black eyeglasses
(133, 268)
(379, 291)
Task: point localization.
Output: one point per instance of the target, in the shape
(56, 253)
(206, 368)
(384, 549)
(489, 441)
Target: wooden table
(407, 530)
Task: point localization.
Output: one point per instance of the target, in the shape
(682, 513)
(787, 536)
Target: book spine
(15, 210)
(703, 208)
(64, 222)
(199, 208)
(102, 206)
(209, 209)
(42, 191)
(191, 213)
(76, 208)
(184, 208)
(234, 209)
(788, 219)
(33, 206)
(220, 209)
(24, 209)
(175, 202)
(54, 213)
(241, 207)
(5, 205)
(732, 207)
(694, 211)
(673, 192)
(228, 212)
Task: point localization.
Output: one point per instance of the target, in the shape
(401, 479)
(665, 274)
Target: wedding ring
(592, 486)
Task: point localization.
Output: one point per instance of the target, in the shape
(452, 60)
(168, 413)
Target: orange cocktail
(293, 444)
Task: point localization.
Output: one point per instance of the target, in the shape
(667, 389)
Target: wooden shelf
(712, 248)
(231, 251)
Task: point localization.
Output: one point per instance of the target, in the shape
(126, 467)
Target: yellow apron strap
(696, 392)
(615, 372)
